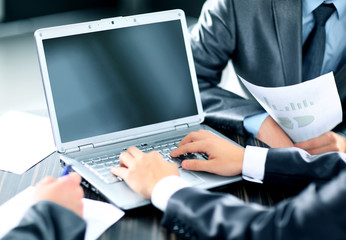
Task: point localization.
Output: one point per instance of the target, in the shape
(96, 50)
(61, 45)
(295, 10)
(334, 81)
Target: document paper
(304, 111)
(25, 140)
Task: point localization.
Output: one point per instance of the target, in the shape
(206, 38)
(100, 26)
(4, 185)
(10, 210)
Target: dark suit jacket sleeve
(213, 42)
(295, 168)
(47, 220)
(316, 213)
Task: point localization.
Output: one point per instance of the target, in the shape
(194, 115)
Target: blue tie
(313, 49)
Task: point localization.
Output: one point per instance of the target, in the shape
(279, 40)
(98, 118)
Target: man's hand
(225, 158)
(142, 171)
(327, 142)
(272, 134)
(65, 191)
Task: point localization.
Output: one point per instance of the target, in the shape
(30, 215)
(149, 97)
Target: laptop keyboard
(101, 165)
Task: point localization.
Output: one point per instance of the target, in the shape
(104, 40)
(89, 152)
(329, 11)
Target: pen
(66, 170)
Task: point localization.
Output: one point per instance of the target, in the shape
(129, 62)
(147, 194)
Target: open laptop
(121, 82)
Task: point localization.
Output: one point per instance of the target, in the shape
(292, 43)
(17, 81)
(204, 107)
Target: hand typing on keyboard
(142, 171)
(100, 165)
(224, 158)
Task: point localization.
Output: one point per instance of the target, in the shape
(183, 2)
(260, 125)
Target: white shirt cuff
(254, 163)
(164, 189)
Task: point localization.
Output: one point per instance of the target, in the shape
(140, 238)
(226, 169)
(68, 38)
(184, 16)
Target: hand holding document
(304, 111)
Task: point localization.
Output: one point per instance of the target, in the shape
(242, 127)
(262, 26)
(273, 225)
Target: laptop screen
(113, 80)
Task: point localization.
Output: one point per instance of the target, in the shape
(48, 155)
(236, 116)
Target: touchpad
(190, 177)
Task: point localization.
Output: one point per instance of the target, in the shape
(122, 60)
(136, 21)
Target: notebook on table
(120, 82)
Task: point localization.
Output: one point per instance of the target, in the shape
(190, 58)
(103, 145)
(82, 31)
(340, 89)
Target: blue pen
(66, 170)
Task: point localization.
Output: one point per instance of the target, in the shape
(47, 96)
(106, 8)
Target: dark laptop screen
(118, 79)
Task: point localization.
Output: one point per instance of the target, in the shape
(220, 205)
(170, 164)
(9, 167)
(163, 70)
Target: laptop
(120, 82)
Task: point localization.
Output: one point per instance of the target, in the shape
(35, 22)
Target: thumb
(46, 180)
(196, 165)
(120, 172)
(75, 177)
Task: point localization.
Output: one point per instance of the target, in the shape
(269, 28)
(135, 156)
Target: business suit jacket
(264, 40)
(47, 220)
(318, 212)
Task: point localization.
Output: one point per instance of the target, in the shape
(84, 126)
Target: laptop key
(178, 160)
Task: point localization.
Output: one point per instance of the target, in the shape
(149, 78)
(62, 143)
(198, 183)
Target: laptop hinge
(87, 146)
(181, 126)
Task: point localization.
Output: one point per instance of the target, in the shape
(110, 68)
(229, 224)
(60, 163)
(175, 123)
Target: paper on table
(98, 215)
(304, 111)
(12, 211)
(25, 139)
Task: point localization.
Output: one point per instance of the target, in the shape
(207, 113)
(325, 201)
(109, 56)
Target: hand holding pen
(65, 191)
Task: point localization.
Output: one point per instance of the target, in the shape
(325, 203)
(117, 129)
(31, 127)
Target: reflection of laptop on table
(120, 82)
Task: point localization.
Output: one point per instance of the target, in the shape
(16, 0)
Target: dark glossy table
(142, 223)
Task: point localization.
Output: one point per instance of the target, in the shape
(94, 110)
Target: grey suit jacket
(318, 212)
(264, 41)
(47, 220)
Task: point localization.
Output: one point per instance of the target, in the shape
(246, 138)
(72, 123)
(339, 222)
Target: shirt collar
(311, 5)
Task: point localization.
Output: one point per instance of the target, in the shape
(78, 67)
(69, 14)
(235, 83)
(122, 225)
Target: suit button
(175, 228)
(187, 235)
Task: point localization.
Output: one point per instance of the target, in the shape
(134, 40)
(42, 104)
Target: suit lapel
(288, 26)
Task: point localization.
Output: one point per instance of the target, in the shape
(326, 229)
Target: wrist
(272, 134)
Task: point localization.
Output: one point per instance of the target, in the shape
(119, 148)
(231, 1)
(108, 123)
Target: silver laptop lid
(119, 78)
